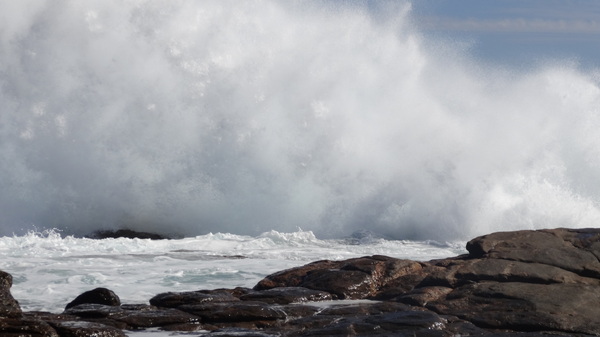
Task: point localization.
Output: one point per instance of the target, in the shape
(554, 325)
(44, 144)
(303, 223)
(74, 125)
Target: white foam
(49, 270)
(219, 116)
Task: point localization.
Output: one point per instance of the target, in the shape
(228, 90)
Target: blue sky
(516, 32)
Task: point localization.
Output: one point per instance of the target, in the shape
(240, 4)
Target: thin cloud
(561, 10)
(516, 25)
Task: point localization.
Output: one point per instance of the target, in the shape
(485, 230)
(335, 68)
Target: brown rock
(545, 247)
(343, 284)
(525, 306)
(9, 307)
(294, 276)
(353, 279)
(585, 238)
(422, 296)
(525, 280)
(516, 271)
(382, 268)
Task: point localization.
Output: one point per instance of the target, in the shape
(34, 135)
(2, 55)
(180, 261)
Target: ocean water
(50, 270)
(283, 126)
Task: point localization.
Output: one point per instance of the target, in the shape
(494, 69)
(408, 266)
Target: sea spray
(184, 117)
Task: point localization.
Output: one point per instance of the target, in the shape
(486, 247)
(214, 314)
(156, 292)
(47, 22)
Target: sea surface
(50, 270)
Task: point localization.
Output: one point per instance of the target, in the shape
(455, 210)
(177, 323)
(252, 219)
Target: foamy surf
(188, 118)
(49, 270)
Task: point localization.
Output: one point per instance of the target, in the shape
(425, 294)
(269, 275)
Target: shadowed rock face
(523, 283)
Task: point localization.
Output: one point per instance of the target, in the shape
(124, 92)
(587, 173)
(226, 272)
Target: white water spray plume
(190, 117)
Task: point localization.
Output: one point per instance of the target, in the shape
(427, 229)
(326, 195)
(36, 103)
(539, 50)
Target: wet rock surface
(523, 283)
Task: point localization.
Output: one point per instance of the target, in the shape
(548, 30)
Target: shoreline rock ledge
(522, 283)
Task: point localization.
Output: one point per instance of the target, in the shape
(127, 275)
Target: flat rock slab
(575, 250)
(174, 299)
(287, 295)
(246, 311)
(133, 317)
(86, 329)
(18, 327)
(526, 306)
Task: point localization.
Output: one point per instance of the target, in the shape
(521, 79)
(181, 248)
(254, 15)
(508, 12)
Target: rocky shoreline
(522, 283)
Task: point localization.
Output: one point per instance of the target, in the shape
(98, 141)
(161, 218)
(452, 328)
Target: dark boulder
(126, 233)
(96, 296)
